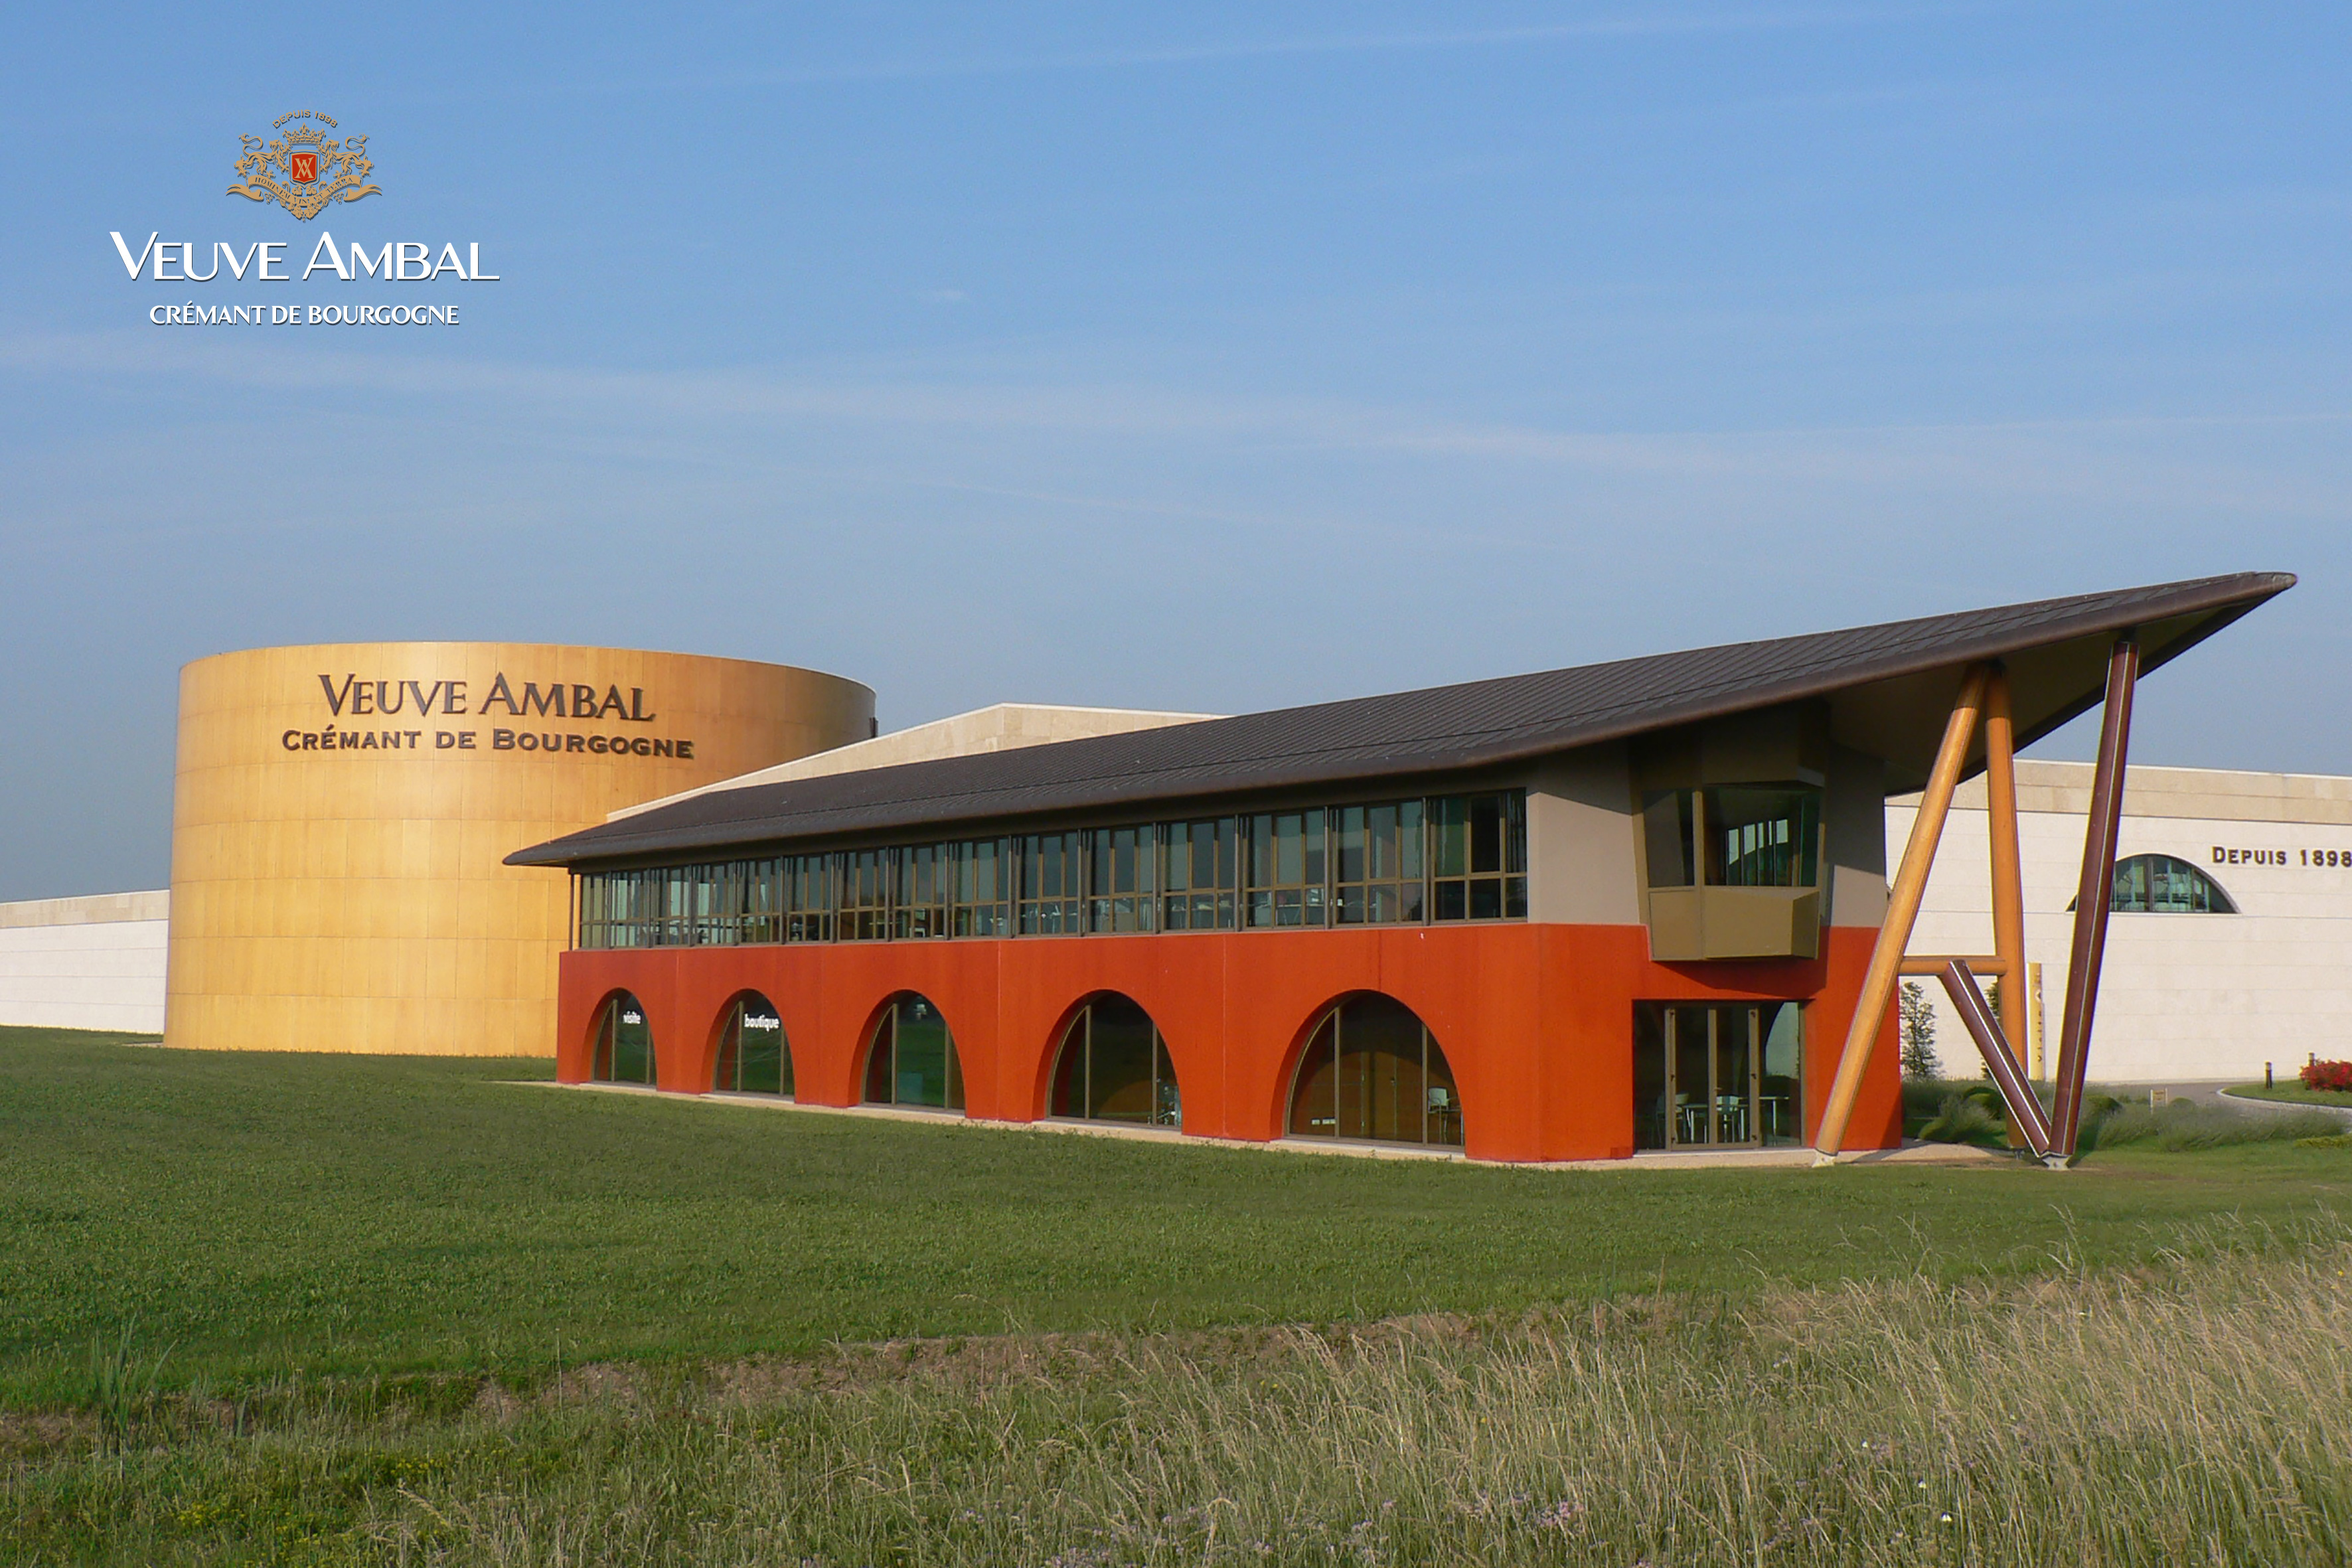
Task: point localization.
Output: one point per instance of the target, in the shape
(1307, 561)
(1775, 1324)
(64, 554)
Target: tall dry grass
(2199, 1411)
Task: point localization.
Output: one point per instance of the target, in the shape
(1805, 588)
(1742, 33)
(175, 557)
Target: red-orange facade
(1536, 1018)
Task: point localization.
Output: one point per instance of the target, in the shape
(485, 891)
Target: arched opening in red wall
(624, 1050)
(753, 1055)
(911, 1057)
(1373, 1073)
(1112, 1065)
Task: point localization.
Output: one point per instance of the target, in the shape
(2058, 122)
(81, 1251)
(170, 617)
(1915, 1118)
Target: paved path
(2215, 1091)
(2342, 1113)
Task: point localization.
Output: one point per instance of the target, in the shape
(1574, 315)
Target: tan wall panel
(353, 900)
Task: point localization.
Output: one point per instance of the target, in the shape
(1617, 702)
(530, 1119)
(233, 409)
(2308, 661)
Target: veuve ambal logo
(306, 165)
(305, 170)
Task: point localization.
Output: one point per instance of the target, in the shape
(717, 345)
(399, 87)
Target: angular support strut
(2095, 896)
(1903, 900)
(1976, 1016)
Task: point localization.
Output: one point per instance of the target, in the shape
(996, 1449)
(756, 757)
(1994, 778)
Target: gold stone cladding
(354, 900)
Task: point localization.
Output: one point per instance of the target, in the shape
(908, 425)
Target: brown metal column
(2094, 895)
(2015, 1092)
(1902, 913)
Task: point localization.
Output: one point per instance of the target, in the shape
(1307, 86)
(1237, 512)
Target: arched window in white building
(2165, 885)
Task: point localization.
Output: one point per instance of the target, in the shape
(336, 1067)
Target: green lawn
(2293, 1093)
(386, 1311)
(259, 1214)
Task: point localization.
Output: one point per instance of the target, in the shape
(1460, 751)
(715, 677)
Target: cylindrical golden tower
(340, 813)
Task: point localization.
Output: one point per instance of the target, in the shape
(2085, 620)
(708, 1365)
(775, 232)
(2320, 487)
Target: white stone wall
(85, 964)
(2182, 996)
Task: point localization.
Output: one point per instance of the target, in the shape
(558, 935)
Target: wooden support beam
(1933, 963)
(2008, 874)
(2094, 896)
(1902, 913)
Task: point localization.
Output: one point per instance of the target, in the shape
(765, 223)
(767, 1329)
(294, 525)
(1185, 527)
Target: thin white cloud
(2120, 458)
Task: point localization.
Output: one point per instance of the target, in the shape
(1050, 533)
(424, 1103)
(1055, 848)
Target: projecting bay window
(1287, 884)
(1733, 871)
(1399, 862)
(1051, 901)
(1200, 874)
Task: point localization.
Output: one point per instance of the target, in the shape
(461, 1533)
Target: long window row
(1452, 857)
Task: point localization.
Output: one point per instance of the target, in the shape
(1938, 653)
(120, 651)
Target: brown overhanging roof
(1888, 689)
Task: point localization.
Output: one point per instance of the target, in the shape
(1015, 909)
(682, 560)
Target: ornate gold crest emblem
(304, 170)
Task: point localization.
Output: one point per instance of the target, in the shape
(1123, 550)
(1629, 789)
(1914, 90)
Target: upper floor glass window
(1051, 900)
(1456, 858)
(924, 873)
(807, 896)
(1376, 863)
(1478, 853)
(1200, 875)
(1119, 879)
(982, 905)
(1286, 870)
(865, 895)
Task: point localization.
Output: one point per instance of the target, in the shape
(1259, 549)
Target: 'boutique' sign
(348, 700)
(304, 170)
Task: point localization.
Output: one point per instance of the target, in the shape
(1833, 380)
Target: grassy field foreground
(316, 1308)
(2188, 1412)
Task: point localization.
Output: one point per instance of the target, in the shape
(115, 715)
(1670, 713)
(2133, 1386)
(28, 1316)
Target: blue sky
(1208, 357)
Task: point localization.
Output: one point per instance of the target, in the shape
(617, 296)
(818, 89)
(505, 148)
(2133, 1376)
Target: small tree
(1992, 1005)
(1919, 1058)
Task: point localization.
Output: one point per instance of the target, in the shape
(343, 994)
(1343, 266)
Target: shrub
(1971, 1115)
(2334, 1075)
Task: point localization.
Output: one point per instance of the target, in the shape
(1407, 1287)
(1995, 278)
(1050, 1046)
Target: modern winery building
(1566, 915)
